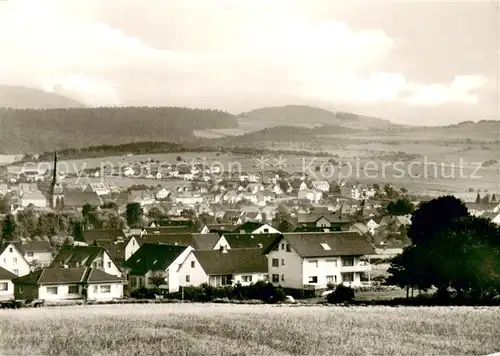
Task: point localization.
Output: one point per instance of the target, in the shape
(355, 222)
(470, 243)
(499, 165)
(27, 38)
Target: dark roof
(115, 249)
(221, 227)
(172, 223)
(247, 260)
(237, 241)
(66, 276)
(97, 276)
(9, 243)
(33, 246)
(186, 239)
(169, 229)
(53, 276)
(206, 241)
(76, 256)
(332, 218)
(153, 257)
(248, 227)
(308, 244)
(90, 236)
(77, 199)
(6, 275)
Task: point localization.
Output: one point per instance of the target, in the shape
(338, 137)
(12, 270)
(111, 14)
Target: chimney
(260, 245)
(252, 237)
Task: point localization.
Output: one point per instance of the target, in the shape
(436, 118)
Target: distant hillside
(32, 131)
(297, 115)
(17, 97)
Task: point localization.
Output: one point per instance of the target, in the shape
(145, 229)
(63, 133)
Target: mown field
(207, 329)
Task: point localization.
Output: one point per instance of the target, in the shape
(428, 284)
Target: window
(348, 277)
(16, 272)
(51, 290)
(331, 264)
(188, 278)
(192, 264)
(105, 289)
(141, 282)
(94, 264)
(109, 264)
(14, 260)
(73, 289)
(276, 278)
(247, 279)
(4, 287)
(348, 262)
(313, 279)
(266, 230)
(133, 282)
(331, 279)
(282, 261)
(282, 246)
(29, 254)
(314, 263)
(276, 262)
(288, 248)
(133, 242)
(282, 277)
(96, 289)
(10, 249)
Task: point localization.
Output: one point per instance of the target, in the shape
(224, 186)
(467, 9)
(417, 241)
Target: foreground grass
(207, 329)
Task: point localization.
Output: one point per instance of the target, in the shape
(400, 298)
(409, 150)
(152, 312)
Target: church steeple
(56, 191)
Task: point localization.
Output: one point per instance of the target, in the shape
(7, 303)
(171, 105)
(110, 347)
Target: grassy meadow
(208, 329)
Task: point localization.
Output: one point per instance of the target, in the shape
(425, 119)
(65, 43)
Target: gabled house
(223, 267)
(244, 240)
(372, 225)
(35, 198)
(36, 253)
(233, 216)
(12, 259)
(75, 199)
(255, 228)
(135, 242)
(156, 260)
(331, 221)
(99, 188)
(142, 197)
(314, 260)
(321, 185)
(6, 285)
(161, 194)
(86, 256)
(90, 236)
(57, 284)
(208, 228)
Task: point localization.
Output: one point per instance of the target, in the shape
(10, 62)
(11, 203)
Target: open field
(208, 329)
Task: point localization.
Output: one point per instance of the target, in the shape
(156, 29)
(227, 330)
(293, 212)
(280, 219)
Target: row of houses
(185, 258)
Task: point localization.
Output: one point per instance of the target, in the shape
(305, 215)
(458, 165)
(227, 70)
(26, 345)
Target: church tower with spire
(56, 189)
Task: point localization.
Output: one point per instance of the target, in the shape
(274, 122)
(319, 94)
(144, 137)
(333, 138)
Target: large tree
(9, 228)
(450, 249)
(134, 213)
(400, 207)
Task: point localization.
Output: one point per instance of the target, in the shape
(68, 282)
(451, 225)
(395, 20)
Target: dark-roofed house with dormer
(156, 260)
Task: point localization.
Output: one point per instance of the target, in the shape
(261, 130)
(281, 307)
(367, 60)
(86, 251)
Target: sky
(412, 62)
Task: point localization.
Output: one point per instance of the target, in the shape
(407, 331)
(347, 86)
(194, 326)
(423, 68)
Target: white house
(496, 219)
(157, 260)
(36, 253)
(34, 197)
(57, 284)
(162, 194)
(313, 260)
(321, 185)
(86, 256)
(372, 225)
(6, 285)
(99, 188)
(223, 267)
(12, 259)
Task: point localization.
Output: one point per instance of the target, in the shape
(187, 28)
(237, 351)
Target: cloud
(239, 51)
(459, 90)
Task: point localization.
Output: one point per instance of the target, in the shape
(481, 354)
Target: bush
(341, 294)
(263, 291)
(144, 293)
